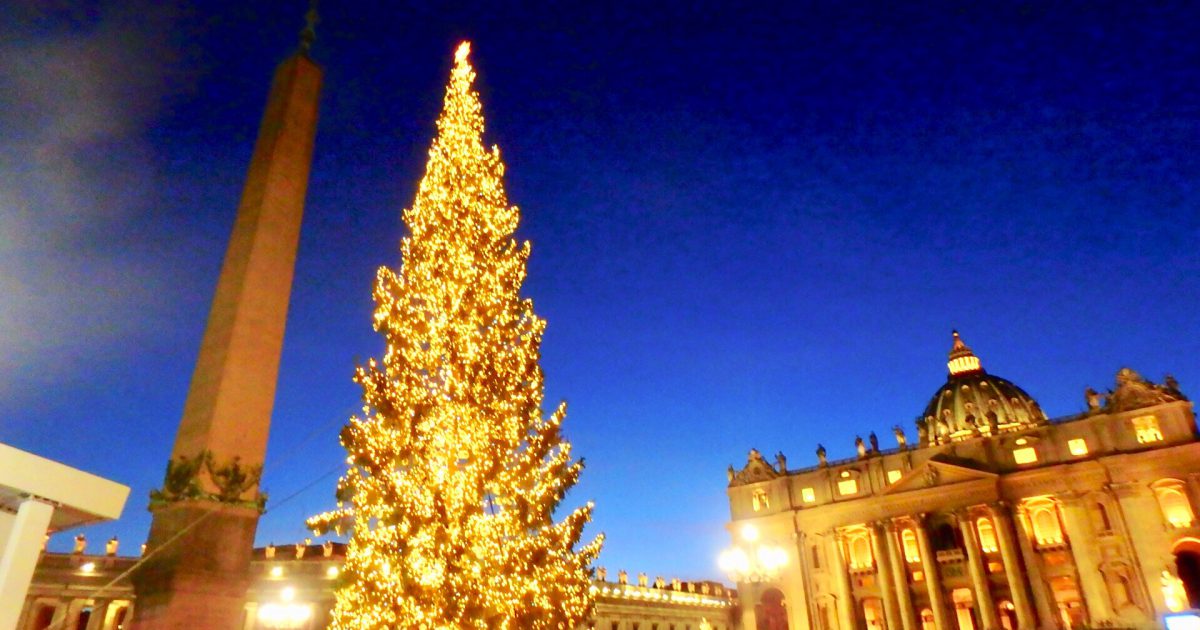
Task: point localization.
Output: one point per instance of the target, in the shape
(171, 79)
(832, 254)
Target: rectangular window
(808, 495)
(1146, 428)
(848, 486)
(1027, 455)
(1078, 446)
(894, 475)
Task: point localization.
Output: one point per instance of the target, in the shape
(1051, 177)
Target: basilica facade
(997, 517)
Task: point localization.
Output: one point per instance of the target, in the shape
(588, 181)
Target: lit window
(987, 535)
(912, 553)
(1043, 516)
(1176, 508)
(759, 500)
(808, 495)
(894, 475)
(1026, 455)
(848, 486)
(859, 546)
(927, 621)
(1146, 428)
(1077, 446)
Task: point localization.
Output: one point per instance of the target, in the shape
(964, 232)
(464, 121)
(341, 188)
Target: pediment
(933, 473)
(757, 469)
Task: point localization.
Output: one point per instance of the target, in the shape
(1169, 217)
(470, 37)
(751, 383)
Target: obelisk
(198, 554)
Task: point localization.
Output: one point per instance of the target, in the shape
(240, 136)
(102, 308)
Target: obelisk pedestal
(198, 554)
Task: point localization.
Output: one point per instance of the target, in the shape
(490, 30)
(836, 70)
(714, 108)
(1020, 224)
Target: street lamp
(751, 561)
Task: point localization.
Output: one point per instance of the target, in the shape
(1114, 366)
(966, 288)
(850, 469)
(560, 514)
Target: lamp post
(749, 560)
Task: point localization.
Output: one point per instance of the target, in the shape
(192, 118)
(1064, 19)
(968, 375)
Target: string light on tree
(454, 470)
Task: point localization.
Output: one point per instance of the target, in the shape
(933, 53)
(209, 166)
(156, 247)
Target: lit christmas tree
(454, 470)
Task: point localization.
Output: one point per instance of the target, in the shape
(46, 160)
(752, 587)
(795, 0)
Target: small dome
(973, 402)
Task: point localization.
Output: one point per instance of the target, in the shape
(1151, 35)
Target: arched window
(759, 501)
(1043, 516)
(987, 535)
(908, 540)
(1173, 501)
(858, 545)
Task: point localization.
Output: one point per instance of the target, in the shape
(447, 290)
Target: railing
(833, 463)
(947, 556)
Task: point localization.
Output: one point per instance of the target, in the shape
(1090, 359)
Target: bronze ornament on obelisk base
(198, 554)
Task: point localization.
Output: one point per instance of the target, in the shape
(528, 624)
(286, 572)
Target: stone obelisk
(198, 554)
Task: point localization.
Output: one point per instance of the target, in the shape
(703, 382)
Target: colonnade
(899, 594)
(102, 614)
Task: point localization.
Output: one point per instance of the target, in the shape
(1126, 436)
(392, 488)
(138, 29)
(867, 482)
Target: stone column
(1141, 520)
(20, 556)
(1087, 562)
(1042, 599)
(908, 617)
(933, 577)
(99, 612)
(883, 575)
(749, 597)
(1013, 572)
(793, 584)
(979, 578)
(837, 554)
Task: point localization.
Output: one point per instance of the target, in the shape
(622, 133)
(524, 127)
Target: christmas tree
(455, 471)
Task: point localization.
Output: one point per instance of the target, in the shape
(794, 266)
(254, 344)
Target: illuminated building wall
(995, 517)
(297, 592)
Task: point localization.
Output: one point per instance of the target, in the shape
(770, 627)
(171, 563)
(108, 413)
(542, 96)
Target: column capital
(1001, 508)
(883, 525)
(1121, 489)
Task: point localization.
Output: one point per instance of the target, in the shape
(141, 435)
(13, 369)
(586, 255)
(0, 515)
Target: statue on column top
(874, 442)
(901, 439)
(781, 462)
(80, 543)
(860, 446)
(821, 461)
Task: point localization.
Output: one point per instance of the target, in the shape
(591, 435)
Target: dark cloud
(79, 89)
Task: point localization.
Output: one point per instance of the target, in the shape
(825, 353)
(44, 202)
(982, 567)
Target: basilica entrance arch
(770, 611)
(1187, 567)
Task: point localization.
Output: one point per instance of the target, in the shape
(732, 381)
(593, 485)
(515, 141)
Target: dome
(974, 403)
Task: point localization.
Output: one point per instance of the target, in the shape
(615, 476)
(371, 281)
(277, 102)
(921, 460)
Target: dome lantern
(962, 360)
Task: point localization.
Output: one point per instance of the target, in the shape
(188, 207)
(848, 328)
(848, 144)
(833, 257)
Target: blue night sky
(752, 226)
